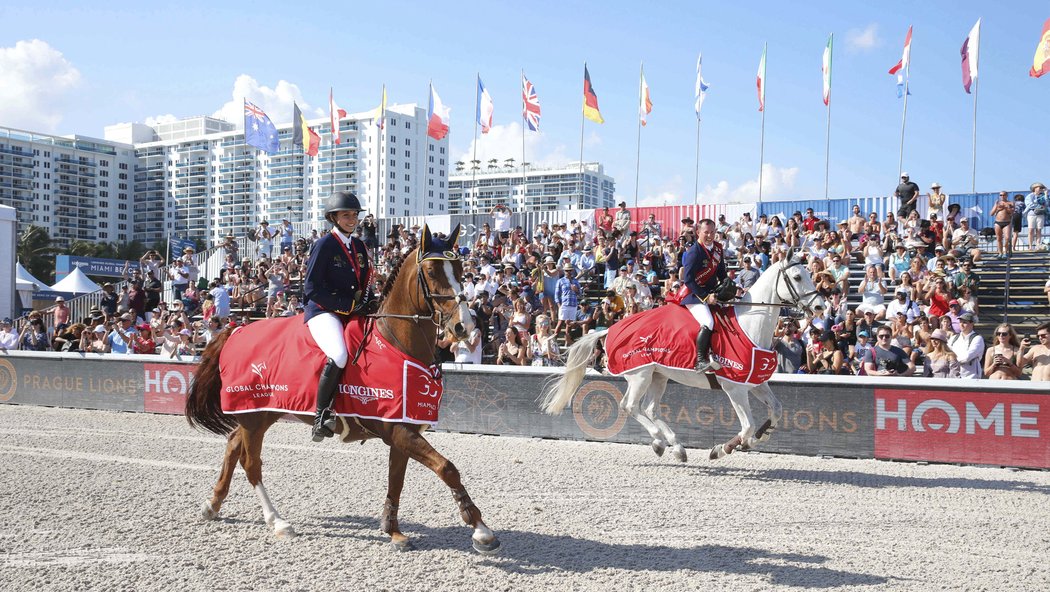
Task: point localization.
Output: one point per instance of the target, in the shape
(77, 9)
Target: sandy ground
(108, 501)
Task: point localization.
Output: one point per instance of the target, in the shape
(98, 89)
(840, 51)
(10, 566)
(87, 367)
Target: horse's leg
(394, 484)
(652, 411)
(251, 460)
(765, 394)
(738, 397)
(210, 509)
(637, 386)
(413, 444)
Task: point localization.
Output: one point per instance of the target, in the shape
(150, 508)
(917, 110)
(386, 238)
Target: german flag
(590, 100)
(302, 135)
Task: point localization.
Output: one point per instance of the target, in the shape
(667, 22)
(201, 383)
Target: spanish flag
(1041, 61)
(302, 135)
(590, 99)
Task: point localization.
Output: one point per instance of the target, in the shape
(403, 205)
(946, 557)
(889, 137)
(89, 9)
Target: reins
(795, 296)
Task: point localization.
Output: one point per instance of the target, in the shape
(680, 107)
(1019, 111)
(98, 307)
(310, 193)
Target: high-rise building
(196, 178)
(75, 187)
(535, 188)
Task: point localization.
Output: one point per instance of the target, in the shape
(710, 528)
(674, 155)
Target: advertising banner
(967, 427)
(96, 384)
(815, 420)
(166, 387)
(92, 266)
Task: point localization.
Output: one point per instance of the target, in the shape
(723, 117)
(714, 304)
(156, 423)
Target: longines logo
(8, 380)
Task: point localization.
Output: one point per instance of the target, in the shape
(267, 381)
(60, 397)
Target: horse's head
(440, 271)
(795, 285)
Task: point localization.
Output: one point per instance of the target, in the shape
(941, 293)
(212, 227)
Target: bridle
(796, 298)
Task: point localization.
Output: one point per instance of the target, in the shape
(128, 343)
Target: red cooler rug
(274, 365)
(666, 336)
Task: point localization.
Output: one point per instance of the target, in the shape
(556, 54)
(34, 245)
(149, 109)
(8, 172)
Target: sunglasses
(884, 336)
(1002, 334)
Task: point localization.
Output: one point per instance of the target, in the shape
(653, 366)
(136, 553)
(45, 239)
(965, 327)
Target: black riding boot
(703, 349)
(324, 421)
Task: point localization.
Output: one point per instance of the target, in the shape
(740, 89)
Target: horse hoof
(283, 530)
(679, 453)
(717, 452)
(763, 432)
(486, 548)
(403, 546)
(207, 513)
(659, 447)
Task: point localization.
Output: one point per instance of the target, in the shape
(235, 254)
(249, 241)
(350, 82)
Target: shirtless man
(1039, 355)
(856, 225)
(1004, 215)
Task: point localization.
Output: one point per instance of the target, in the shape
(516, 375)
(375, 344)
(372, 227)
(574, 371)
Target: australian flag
(259, 131)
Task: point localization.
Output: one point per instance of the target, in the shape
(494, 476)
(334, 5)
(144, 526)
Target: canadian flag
(336, 113)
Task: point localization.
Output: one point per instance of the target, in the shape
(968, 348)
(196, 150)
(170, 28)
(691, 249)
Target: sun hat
(939, 334)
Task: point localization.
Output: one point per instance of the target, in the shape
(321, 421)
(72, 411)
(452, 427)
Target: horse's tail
(203, 409)
(557, 393)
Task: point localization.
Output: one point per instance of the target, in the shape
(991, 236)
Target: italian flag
(826, 69)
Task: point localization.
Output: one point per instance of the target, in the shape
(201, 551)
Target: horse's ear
(453, 237)
(428, 239)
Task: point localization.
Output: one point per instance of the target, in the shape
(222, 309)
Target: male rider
(706, 276)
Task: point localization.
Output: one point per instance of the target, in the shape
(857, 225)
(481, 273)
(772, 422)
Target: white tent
(76, 283)
(23, 275)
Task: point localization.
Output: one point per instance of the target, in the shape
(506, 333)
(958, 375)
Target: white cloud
(35, 82)
(863, 39)
(276, 102)
(669, 193)
(159, 119)
(504, 141)
(775, 182)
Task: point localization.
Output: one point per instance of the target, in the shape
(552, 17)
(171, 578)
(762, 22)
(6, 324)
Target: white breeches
(327, 331)
(702, 314)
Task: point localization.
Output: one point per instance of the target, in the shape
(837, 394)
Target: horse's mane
(391, 277)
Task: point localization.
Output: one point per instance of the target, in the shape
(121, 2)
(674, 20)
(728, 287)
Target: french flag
(437, 116)
(485, 108)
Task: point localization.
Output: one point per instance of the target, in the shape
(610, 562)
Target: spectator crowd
(534, 291)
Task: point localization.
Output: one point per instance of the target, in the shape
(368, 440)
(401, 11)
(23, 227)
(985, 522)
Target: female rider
(337, 287)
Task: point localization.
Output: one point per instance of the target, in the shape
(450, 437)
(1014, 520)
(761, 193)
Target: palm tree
(508, 163)
(459, 166)
(36, 252)
(493, 160)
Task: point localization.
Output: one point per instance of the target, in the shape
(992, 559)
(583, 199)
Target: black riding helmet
(339, 201)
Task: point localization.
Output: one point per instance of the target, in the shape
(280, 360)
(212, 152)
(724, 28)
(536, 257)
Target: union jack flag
(530, 110)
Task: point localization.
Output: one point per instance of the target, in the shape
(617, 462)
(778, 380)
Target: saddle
(666, 336)
(275, 364)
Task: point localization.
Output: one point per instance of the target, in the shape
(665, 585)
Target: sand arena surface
(109, 501)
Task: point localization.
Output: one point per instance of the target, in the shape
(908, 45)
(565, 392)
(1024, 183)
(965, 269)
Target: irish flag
(645, 104)
(825, 68)
(437, 116)
(762, 81)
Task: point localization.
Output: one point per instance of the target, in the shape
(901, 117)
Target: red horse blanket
(274, 365)
(666, 336)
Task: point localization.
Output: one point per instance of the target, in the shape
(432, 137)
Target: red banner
(969, 427)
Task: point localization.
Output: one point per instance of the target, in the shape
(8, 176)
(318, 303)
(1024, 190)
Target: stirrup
(324, 423)
(702, 365)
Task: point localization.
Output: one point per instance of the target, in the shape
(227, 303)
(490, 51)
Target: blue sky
(130, 61)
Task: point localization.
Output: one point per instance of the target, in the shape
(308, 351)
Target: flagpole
(638, 149)
(524, 177)
(973, 177)
(904, 120)
(581, 144)
(827, 138)
(474, 159)
(334, 119)
(380, 128)
(696, 180)
(422, 162)
(762, 140)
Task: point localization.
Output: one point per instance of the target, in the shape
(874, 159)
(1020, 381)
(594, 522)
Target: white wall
(8, 243)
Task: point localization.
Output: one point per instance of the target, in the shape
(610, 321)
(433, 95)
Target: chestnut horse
(421, 295)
